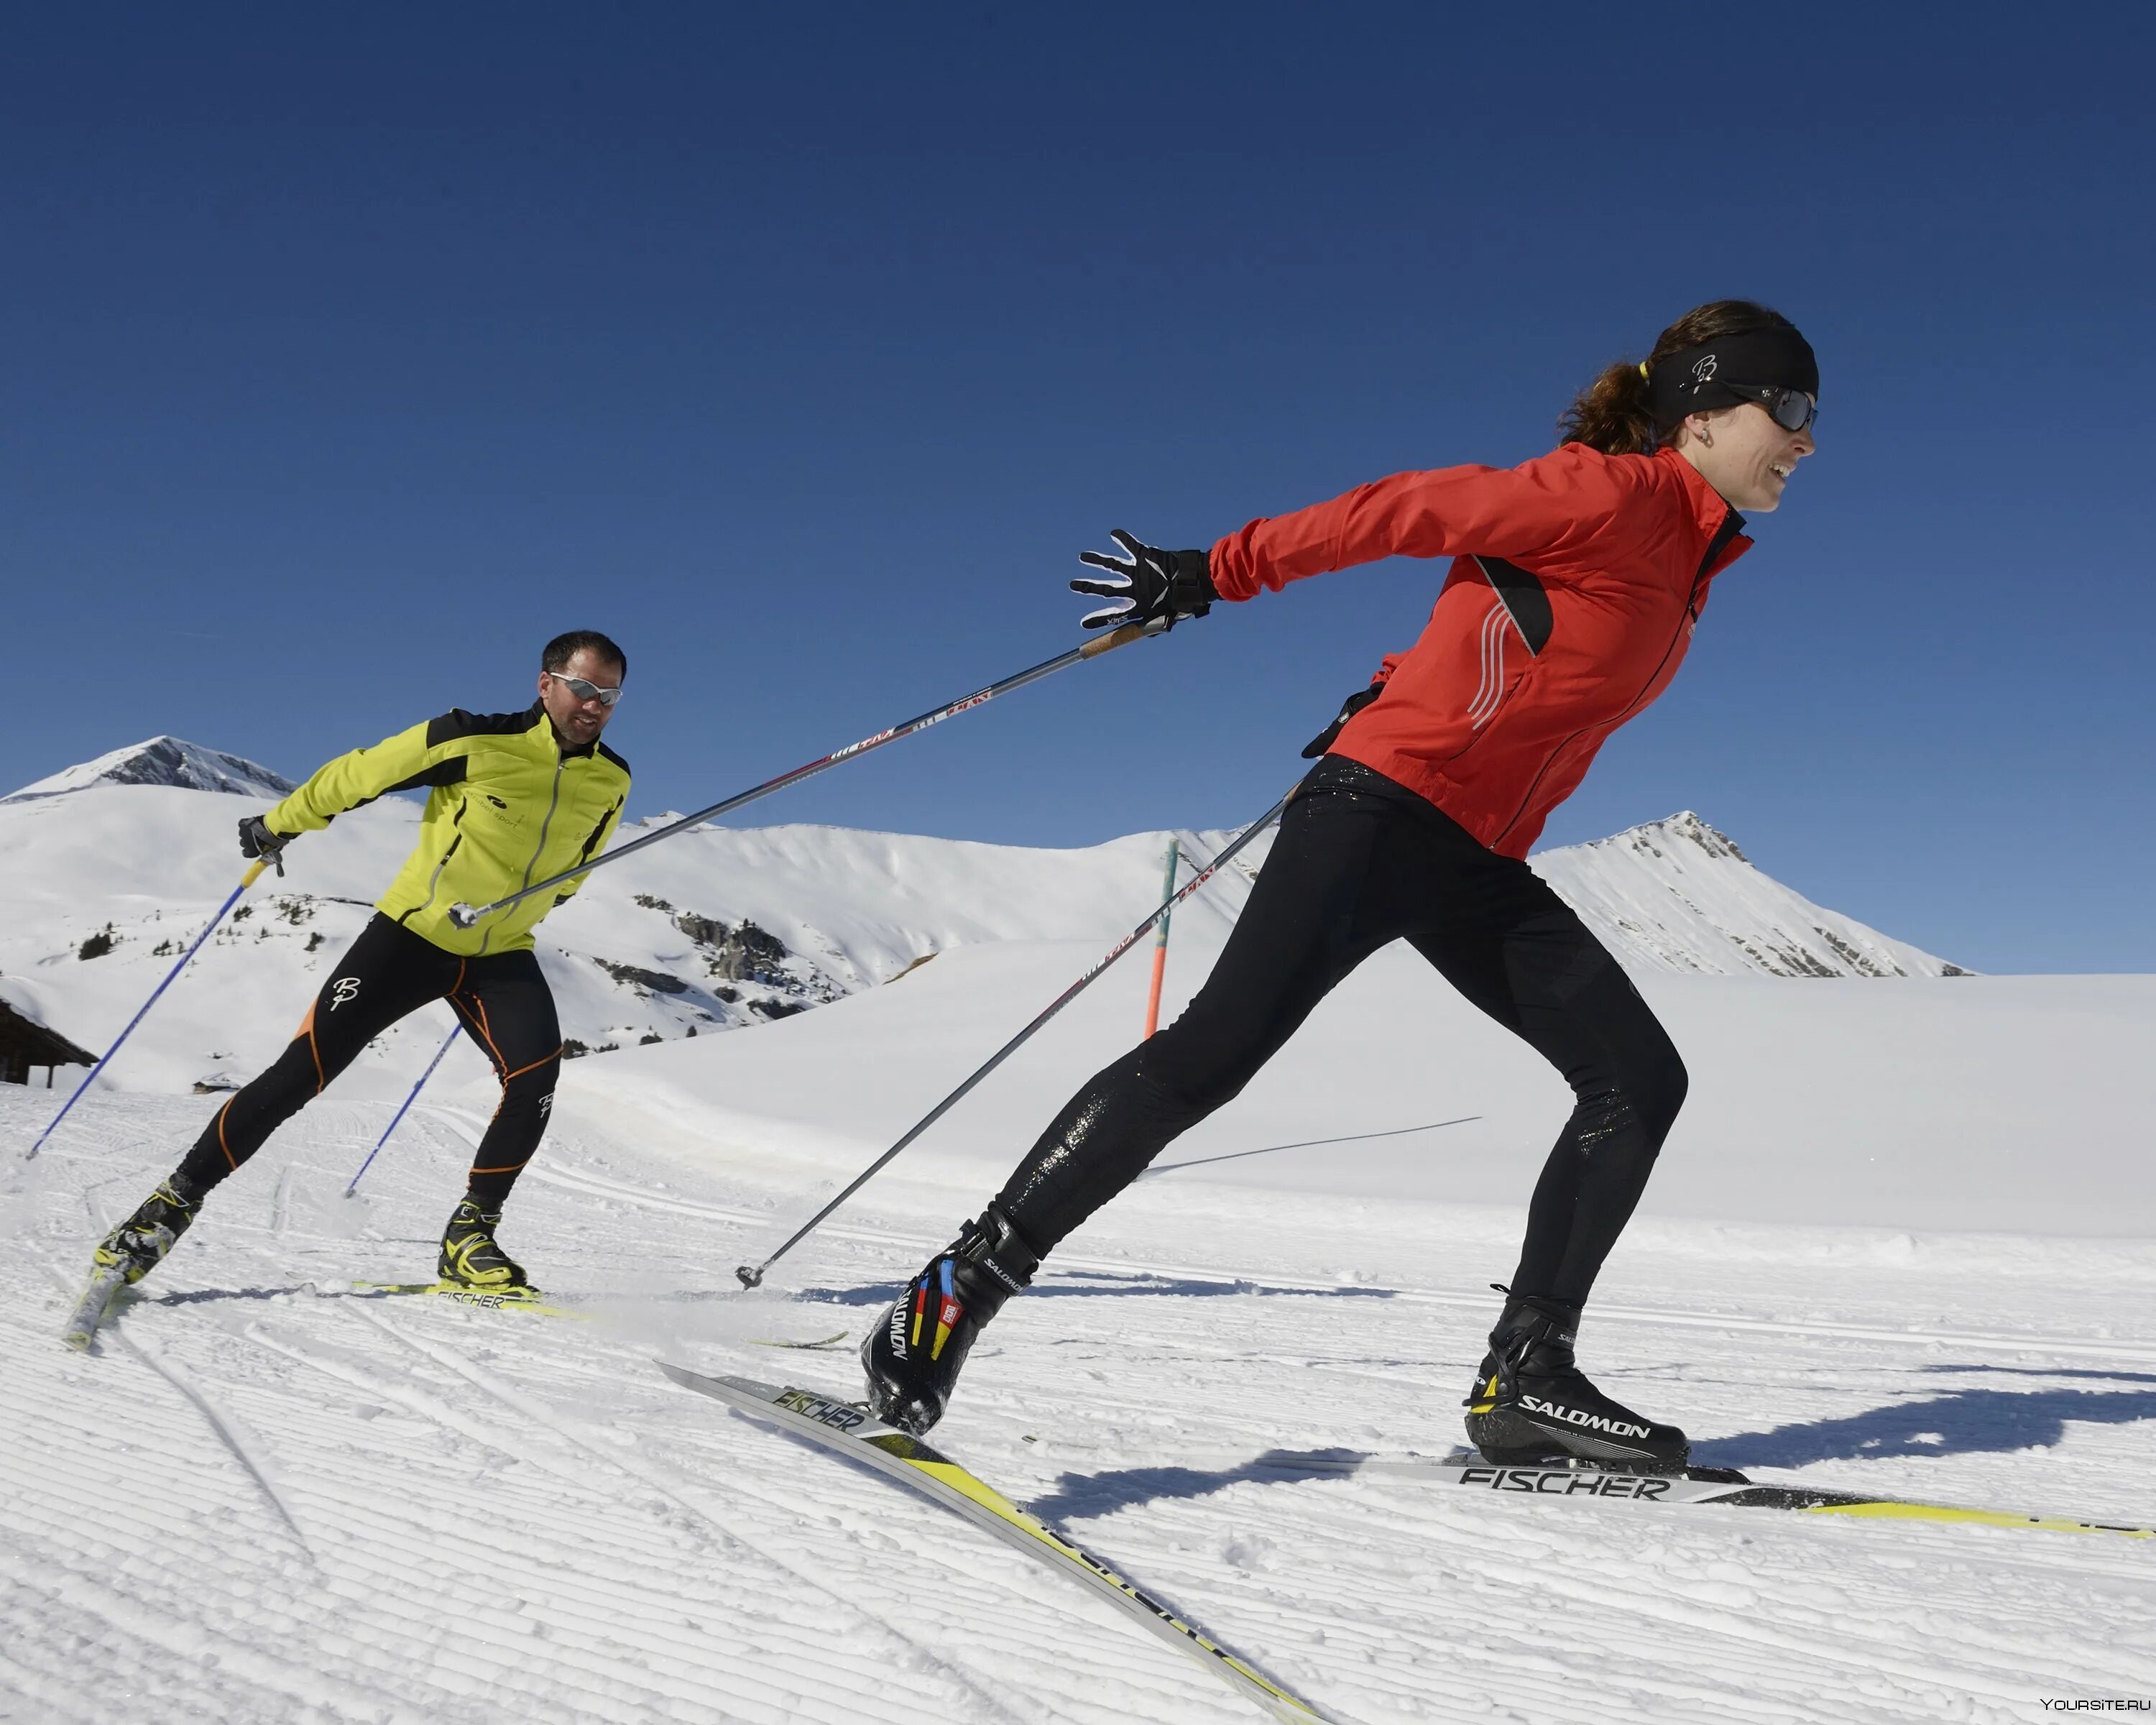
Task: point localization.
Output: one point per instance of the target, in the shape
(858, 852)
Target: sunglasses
(587, 691)
(1791, 409)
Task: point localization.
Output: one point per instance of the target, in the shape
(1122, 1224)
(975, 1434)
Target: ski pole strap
(468, 916)
(751, 1275)
(398, 1117)
(246, 881)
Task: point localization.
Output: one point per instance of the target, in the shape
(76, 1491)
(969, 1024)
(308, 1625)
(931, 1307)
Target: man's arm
(432, 753)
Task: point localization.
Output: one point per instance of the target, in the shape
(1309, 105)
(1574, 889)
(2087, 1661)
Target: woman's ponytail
(1611, 414)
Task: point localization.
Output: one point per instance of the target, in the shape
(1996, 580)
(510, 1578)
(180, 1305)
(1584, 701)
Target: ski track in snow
(269, 1497)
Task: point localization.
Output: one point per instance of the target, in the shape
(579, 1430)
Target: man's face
(577, 721)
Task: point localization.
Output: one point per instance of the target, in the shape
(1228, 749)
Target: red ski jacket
(1576, 580)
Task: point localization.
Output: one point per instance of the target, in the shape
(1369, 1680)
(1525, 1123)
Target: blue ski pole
(401, 1112)
(253, 873)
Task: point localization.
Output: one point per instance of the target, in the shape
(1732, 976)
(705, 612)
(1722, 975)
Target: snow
(167, 761)
(94, 855)
(1902, 1241)
(1678, 895)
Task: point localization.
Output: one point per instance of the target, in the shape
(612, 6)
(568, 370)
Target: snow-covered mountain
(163, 760)
(107, 870)
(1677, 894)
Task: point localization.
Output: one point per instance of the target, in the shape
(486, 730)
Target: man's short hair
(564, 648)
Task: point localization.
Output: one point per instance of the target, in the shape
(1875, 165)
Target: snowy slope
(1676, 895)
(675, 943)
(265, 1499)
(716, 930)
(270, 1497)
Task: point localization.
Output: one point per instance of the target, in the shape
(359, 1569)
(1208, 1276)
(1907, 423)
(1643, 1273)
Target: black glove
(1154, 584)
(257, 842)
(1353, 705)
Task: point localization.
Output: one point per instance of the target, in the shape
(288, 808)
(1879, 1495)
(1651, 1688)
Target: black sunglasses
(1791, 409)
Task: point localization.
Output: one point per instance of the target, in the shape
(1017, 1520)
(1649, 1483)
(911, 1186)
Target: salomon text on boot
(139, 1244)
(1532, 1403)
(913, 1354)
(471, 1257)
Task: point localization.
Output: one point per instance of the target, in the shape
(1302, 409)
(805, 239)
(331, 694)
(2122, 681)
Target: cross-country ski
(621, 622)
(847, 1430)
(1726, 1486)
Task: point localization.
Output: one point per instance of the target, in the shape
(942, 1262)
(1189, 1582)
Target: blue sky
(348, 356)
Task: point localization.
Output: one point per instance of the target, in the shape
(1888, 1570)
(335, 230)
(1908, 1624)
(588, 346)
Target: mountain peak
(1677, 894)
(163, 761)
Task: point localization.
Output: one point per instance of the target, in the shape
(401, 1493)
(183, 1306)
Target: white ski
(851, 1431)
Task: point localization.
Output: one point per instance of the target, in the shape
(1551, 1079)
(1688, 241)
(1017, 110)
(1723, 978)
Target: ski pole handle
(751, 1274)
(468, 916)
(253, 873)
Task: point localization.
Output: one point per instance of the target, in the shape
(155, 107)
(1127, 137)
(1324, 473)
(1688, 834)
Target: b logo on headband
(1690, 380)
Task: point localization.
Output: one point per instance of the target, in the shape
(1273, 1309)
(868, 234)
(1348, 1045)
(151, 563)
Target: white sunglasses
(587, 691)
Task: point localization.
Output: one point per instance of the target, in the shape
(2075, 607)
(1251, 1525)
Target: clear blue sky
(349, 353)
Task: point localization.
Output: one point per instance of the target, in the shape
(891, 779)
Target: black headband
(1694, 378)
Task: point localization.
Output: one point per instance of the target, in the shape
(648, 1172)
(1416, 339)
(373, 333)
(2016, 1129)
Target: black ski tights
(503, 1002)
(1361, 861)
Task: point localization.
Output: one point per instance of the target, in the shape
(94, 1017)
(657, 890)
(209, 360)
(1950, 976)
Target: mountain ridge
(162, 761)
(103, 880)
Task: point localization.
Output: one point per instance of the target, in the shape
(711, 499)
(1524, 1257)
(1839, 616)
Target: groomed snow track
(262, 1501)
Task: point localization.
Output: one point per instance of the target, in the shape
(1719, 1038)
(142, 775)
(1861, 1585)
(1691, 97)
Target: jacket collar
(1710, 513)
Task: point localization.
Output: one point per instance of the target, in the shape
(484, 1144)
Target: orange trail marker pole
(1160, 944)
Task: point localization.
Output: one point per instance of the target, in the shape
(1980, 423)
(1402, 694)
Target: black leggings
(1359, 862)
(502, 1001)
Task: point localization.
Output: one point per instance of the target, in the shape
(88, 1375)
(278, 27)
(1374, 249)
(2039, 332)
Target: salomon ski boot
(1531, 1403)
(139, 1244)
(471, 1257)
(913, 1352)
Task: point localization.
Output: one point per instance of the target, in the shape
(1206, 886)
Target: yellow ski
(851, 1431)
(1688, 1485)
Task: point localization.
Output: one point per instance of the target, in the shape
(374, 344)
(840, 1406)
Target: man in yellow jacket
(513, 797)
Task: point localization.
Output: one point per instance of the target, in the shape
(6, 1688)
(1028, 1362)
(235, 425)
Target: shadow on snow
(1965, 1422)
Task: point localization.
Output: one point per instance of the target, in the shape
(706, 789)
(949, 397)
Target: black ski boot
(471, 1258)
(139, 1244)
(1531, 1403)
(914, 1350)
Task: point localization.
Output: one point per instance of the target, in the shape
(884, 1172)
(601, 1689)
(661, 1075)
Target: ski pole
(253, 873)
(467, 916)
(1160, 947)
(400, 1113)
(751, 1275)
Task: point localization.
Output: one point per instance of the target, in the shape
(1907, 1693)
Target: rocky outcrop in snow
(164, 760)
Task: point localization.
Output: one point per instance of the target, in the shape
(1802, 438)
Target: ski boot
(913, 1351)
(139, 1244)
(1531, 1403)
(472, 1258)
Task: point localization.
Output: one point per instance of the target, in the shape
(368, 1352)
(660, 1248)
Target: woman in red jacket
(1577, 579)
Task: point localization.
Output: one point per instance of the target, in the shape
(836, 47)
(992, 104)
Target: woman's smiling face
(1744, 454)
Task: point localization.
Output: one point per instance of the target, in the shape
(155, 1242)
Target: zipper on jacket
(553, 801)
(1732, 524)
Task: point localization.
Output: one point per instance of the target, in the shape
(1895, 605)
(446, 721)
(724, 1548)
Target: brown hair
(1611, 414)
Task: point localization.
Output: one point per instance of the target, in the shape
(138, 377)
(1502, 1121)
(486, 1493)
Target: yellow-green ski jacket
(509, 806)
